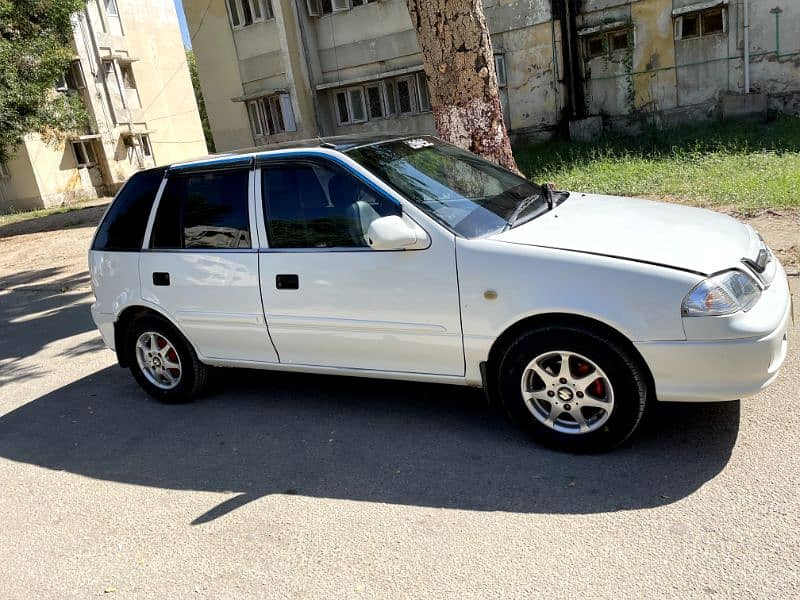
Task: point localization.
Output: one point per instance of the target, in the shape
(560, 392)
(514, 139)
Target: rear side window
(124, 225)
(204, 210)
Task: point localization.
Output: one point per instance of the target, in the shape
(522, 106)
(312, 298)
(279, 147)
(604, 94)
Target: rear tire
(572, 389)
(163, 362)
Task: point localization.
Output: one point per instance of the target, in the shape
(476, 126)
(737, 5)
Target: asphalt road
(309, 486)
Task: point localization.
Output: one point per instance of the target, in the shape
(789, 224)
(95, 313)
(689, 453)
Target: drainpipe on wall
(746, 8)
(301, 22)
(566, 12)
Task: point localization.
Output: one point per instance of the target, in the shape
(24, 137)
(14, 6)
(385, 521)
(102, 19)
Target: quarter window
(316, 204)
(124, 225)
(204, 210)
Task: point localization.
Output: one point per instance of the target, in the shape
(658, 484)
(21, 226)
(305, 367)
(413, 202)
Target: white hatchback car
(407, 258)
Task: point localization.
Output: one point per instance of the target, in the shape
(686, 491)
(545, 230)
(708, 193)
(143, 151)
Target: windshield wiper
(527, 203)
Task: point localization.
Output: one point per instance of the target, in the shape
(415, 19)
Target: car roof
(342, 143)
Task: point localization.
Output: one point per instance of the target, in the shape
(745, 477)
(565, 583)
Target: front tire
(163, 362)
(572, 389)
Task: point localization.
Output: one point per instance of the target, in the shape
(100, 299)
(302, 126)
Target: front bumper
(715, 370)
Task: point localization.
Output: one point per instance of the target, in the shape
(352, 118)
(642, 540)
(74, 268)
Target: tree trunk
(459, 63)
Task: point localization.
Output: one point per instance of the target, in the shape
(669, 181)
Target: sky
(182, 20)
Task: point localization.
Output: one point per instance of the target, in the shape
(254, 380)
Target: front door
(201, 267)
(329, 299)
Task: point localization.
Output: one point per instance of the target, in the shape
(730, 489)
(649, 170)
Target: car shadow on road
(260, 433)
(41, 307)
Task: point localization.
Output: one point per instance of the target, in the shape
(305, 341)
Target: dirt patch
(781, 230)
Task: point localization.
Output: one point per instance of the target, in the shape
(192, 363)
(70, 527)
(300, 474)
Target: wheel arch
(127, 317)
(511, 333)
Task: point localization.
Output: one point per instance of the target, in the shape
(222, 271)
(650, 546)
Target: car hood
(671, 235)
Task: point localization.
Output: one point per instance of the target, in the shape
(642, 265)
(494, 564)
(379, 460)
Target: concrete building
(130, 71)
(273, 70)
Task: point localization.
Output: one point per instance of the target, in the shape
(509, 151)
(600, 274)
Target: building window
(405, 95)
(701, 23)
(84, 153)
(379, 99)
(607, 42)
(500, 69)
(358, 111)
(375, 101)
(126, 71)
(72, 79)
(111, 8)
(362, 2)
(4, 174)
(144, 140)
(318, 8)
(350, 106)
(423, 96)
(271, 115)
(243, 13)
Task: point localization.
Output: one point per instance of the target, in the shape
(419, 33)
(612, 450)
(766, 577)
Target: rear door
(201, 263)
(332, 301)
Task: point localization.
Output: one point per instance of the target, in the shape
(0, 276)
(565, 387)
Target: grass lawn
(16, 217)
(748, 166)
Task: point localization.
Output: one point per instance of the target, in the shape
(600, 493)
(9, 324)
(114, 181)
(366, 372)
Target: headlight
(722, 294)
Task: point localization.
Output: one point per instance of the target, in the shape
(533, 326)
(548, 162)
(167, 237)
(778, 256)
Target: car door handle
(287, 282)
(160, 278)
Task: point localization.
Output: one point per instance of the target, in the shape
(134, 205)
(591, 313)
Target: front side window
(467, 194)
(207, 210)
(123, 227)
(316, 204)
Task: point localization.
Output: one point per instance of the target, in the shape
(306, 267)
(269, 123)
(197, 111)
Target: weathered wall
(531, 50)
(146, 33)
(169, 108)
(218, 68)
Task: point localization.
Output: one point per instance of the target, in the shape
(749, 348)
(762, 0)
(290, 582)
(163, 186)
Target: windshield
(468, 194)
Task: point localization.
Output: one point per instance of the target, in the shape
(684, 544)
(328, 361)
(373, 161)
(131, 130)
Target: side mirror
(393, 233)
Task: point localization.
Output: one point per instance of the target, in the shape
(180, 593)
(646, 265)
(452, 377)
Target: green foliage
(751, 166)
(35, 50)
(201, 103)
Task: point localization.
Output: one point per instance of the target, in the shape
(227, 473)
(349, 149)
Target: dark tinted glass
(167, 225)
(215, 212)
(319, 205)
(124, 225)
(204, 210)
